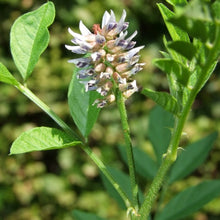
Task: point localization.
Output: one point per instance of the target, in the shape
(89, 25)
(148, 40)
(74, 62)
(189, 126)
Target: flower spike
(110, 58)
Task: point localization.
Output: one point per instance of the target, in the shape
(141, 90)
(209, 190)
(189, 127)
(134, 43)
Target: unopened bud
(110, 44)
(100, 67)
(122, 67)
(116, 49)
(110, 98)
(109, 70)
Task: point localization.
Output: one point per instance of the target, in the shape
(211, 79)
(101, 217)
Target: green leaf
(82, 110)
(6, 77)
(41, 138)
(195, 28)
(185, 49)
(216, 10)
(164, 99)
(124, 181)
(29, 37)
(79, 215)
(177, 2)
(175, 32)
(190, 200)
(196, 9)
(192, 157)
(174, 68)
(144, 164)
(195, 19)
(160, 124)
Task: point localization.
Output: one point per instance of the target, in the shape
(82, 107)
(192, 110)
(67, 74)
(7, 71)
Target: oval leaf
(192, 157)
(29, 37)
(6, 77)
(41, 138)
(190, 200)
(82, 110)
(163, 99)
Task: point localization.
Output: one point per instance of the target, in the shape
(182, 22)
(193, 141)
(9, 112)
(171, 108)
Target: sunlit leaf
(175, 32)
(192, 157)
(190, 200)
(163, 99)
(29, 37)
(177, 2)
(6, 77)
(41, 138)
(82, 110)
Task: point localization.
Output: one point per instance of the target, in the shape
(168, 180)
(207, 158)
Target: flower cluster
(110, 58)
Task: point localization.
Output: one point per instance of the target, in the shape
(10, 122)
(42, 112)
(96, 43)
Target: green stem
(69, 131)
(104, 170)
(171, 154)
(121, 106)
(47, 110)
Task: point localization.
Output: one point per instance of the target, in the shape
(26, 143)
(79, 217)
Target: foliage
(189, 62)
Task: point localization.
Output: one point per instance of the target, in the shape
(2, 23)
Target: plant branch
(121, 106)
(171, 154)
(47, 110)
(69, 131)
(104, 170)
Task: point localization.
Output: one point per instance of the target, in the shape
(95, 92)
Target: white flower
(111, 58)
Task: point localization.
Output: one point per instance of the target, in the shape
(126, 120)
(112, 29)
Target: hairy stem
(177, 131)
(129, 150)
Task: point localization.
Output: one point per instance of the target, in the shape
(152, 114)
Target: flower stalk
(73, 134)
(171, 154)
(129, 150)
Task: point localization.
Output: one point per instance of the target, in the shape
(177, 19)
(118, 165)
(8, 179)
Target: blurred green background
(49, 185)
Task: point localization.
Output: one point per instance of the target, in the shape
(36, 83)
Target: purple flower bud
(100, 39)
(81, 62)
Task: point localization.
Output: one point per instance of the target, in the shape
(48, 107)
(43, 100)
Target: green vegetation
(51, 184)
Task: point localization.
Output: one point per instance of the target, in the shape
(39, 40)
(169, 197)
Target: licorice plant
(104, 74)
